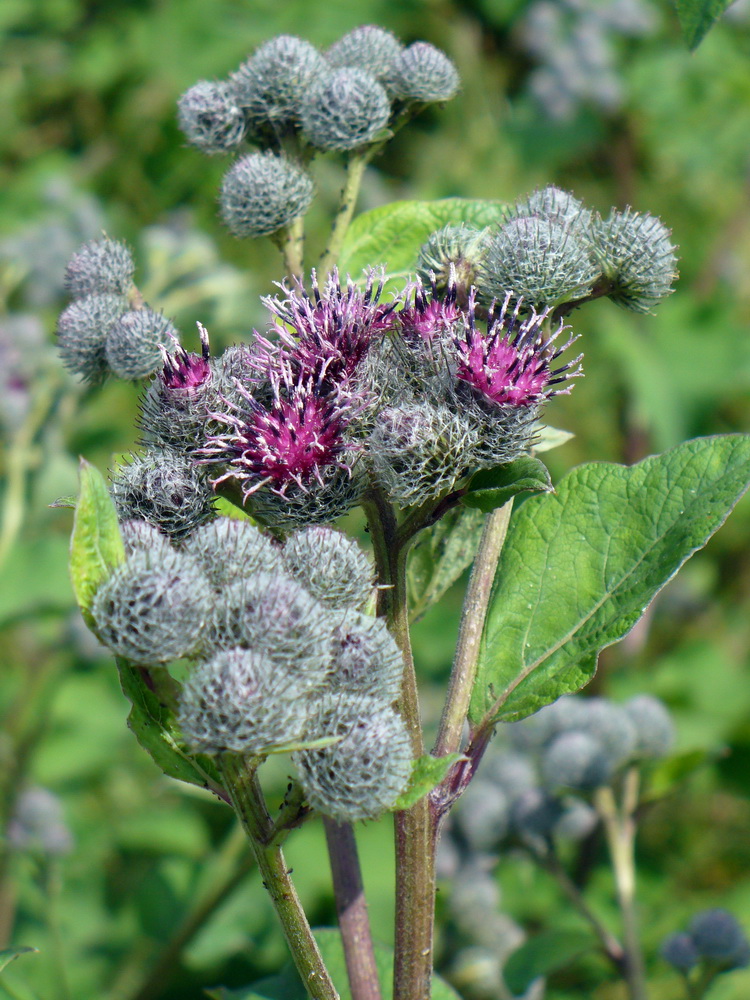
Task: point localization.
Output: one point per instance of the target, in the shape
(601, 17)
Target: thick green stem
(355, 169)
(351, 907)
(415, 828)
(240, 777)
(470, 634)
(620, 829)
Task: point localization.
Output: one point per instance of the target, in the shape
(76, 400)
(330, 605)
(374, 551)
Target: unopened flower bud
(365, 659)
(718, 937)
(612, 726)
(209, 117)
(420, 451)
(164, 488)
(365, 772)
(575, 760)
(484, 815)
(513, 772)
(536, 260)
(229, 550)
(653, 726)
(453, 254)
(263, 193)
(559, 206)
(141, 536)
(132, 346)
(270, 611)
(680, 951)
(37, 824)
(368, 47)
(82, 333)
(244, 701)
(273, 83)
(151, 613)
(331, 566)
(424, 74)
(100, 267)
(635, 253)
(578, 820)
(534, 815)
(346, 109)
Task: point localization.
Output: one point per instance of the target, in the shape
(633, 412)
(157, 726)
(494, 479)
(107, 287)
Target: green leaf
(152, 722)
(96, 545)
(440, 556)
(544, 953)
(580, 566)
(426, 773)
(546, 438)
(7, 955)
(697, 16)
(287, 986)
(393, 234)
(491, 488)
(665, 776)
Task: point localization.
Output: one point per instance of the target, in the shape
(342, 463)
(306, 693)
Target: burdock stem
(351, 907)
(355, 169)
(415, 828)
(241, 781)
(473, 615)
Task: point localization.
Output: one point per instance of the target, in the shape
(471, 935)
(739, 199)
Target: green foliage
(96, 546)
(427, 772)
(543, 954)
(579, 567)
(7, 955)
(491, 488)
(286, 986)
(393, 234)
(697, 17)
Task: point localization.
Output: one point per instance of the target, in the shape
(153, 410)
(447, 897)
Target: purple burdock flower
(186, 371)
(327, 335)
(513, 361)
(432, 316)
(293, 441)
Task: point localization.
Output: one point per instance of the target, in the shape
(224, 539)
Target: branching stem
(355, 169)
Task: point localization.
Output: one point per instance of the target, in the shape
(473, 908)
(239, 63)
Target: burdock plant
(422, 403)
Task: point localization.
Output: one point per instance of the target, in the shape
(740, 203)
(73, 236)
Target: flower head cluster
(715, 942)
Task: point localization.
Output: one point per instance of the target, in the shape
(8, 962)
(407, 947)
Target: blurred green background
(599, 97)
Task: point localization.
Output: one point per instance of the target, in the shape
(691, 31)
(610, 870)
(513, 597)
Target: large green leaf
(492, 488)
(440, 556)
(697, 16)
(152, 721)
(96, 545)
(393, 234)
(580, 566)
(287, 986)
(544, 953)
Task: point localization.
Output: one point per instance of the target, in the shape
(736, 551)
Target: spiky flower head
(365, 772)
(244, 701)
(719, 938)
(537, 260)
(635, 253)
(174, 408)
(164, 488)
(613, 727)
(210, 118)
(141, 536)
(150, 611)
(329, 332)
(82, 331)
(560, 206)
(365, 660)
(271, 611)
(453, 255)
(134, 341)
(229, 550)
(679, 950)
(424, 74)
(331, 566)
(655, 733)
(368, 47)
(100, 267)
(419, 451)
(484, 816)
(345, 110)
(272, 85)
(263, 193)
(576, 760)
